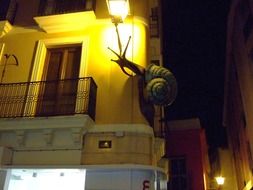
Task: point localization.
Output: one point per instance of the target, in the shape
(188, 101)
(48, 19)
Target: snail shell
(161, 88)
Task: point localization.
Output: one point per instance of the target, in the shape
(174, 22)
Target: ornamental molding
(66, 22)
(5, 27)
(45, 133)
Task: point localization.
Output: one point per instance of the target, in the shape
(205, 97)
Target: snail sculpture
(157, 85)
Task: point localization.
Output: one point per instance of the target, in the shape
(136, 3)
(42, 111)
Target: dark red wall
(189, 143)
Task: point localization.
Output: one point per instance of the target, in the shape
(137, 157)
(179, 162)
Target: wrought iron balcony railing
(8, 10)
(53, 7)
(48, 98)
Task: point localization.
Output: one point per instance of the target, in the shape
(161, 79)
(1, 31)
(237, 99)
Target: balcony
(54, 7)
(8, 10)
(65, 15)
(48, 98)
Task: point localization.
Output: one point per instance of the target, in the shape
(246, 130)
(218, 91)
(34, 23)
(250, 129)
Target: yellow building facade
(238, 102)
(65, 104)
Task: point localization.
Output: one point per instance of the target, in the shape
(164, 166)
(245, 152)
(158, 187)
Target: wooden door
(61, 71)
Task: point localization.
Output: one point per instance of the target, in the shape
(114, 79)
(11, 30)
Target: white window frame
(41, 51)
(40, 57)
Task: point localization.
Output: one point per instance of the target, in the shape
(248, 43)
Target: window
(50, 179)
(154, 22)
(8, 10)
(51, 49)
(61, 68)
(50, 7)
(44, 45)
(178, 174)
(247, 29)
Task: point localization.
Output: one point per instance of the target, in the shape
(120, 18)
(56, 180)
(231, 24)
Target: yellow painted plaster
(117, 95)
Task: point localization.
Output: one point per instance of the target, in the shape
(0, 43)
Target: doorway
(58, 88)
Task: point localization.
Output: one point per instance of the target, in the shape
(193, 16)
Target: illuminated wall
(186, 139)
(238, 101)
(115, 89)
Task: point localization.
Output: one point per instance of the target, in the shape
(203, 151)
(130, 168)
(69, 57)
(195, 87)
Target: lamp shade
(118, 9)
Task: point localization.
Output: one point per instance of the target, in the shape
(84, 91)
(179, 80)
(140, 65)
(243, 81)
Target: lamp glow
(220, 180)
(118, 9)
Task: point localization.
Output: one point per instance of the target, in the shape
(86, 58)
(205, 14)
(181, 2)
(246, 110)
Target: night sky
(194, 46)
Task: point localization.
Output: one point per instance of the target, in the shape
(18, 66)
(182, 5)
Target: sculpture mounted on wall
(156, 84)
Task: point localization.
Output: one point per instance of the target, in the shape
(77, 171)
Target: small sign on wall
(105, 144)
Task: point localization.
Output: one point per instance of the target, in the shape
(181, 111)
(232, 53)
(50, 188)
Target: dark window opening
(247, 29)
(178, 174)
(51, 7)
(8, 9)
(154, 22)
(58, 94)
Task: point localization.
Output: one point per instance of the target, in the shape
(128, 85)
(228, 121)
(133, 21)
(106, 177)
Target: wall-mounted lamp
(7, 57)
(118, 10)
(161, 91)
(220, 181)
